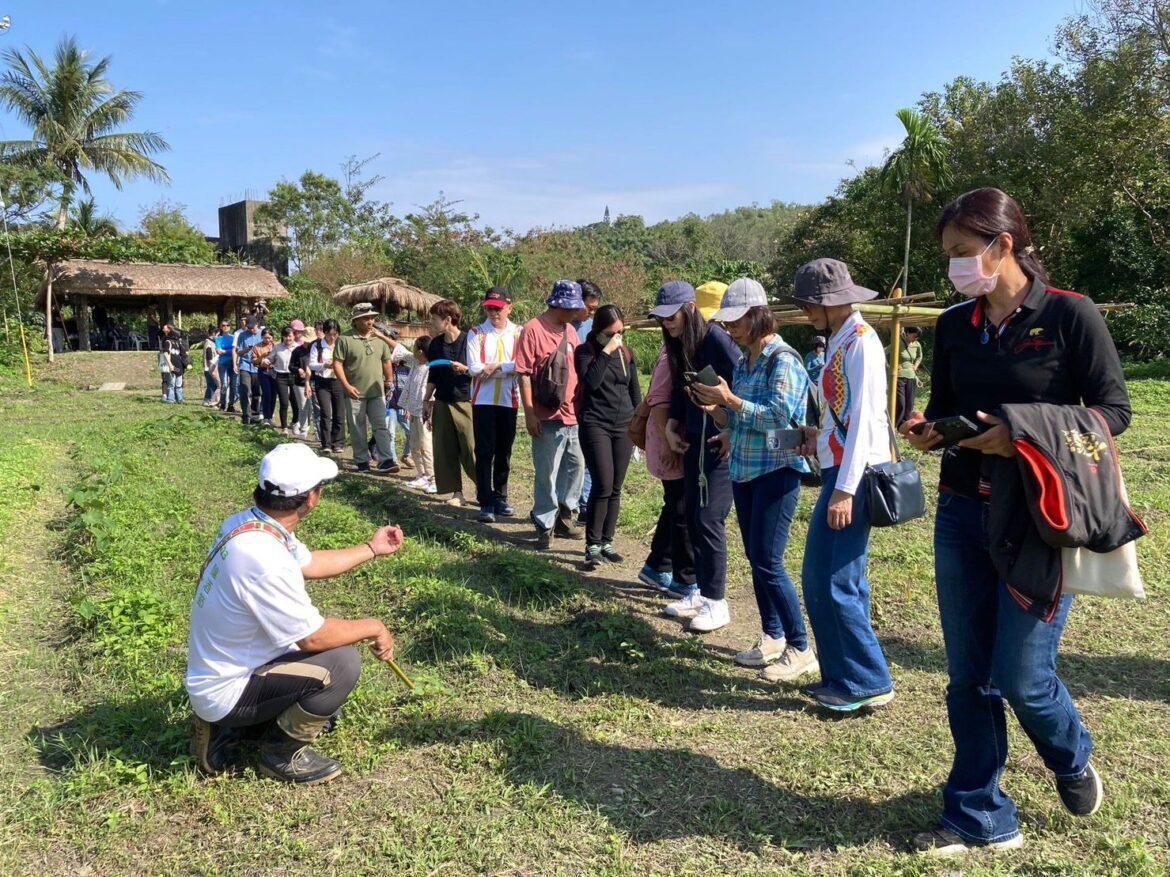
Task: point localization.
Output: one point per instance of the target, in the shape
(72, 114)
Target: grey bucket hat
(827, 282)
(363, 309)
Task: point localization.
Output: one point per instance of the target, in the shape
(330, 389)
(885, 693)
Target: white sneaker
(416, 483)
(792, 665)
(764, 652)
(456, 499)
(687, 607)
(432, 488)
(713, 614)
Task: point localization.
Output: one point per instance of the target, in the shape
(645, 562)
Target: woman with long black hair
(1016, 340)
(692, 344)
(608, 391)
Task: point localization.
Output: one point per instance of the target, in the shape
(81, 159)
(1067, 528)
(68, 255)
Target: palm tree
(916, 170)
(75, 115)
(86, 219)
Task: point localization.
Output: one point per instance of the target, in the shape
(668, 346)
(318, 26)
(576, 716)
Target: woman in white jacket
(854, 433)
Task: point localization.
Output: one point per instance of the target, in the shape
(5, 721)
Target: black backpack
(550, 384)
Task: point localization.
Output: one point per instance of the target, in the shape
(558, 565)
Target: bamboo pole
(49, 314)
(895, 351)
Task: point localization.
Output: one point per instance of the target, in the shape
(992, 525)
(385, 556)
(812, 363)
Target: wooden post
(81, 312)
(895, 352)
(49, 314)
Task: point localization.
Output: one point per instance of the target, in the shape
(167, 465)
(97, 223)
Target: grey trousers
(358, 412)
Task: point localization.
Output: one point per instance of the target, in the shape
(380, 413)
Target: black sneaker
(487, 515)
(592, 557)
(363, 467)
(1082, 796)
(544, 538)
(608, 552)
(389, 467)
(503, 510)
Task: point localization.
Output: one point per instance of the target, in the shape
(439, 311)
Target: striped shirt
(771, 402)
(486, 343)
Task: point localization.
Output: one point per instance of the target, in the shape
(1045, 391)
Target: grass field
(560, 726)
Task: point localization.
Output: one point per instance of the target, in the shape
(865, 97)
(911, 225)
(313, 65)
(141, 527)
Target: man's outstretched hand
(387, 540)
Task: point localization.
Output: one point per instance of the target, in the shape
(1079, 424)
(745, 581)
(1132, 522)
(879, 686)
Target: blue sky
(531, 114)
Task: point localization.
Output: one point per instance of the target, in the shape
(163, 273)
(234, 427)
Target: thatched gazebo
(218, 289)
(389, 294)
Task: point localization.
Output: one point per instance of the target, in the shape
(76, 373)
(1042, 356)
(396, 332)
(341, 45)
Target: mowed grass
(559, 726)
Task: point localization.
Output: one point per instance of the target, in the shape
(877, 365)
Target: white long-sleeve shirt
(854, 383)
(486, 343)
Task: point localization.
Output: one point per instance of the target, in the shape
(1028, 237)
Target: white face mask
(966, 273)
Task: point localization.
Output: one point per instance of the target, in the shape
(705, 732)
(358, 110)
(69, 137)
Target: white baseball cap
(292, 469)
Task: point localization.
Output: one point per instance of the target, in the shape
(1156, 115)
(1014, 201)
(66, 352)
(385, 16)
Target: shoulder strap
(897, 457)
(247, 527)
(810, 396)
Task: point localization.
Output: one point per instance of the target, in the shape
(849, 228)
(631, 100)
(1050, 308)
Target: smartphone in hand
(952, 429)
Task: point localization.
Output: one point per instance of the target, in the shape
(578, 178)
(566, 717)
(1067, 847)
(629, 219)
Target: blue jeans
(556, 457)
(172, 387)
(586, 489)
(392, 429)
(209, 385)
(229, 386)
(995, 651)
(836, 595)
(765, 507)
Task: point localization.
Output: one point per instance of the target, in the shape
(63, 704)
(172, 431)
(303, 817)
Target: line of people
(735, 416)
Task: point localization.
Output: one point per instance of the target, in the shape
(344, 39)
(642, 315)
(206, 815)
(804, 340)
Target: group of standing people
(735, 416)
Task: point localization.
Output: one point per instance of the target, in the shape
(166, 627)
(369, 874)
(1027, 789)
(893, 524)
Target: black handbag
(893, 491)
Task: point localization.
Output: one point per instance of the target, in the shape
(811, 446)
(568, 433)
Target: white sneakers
(687, 607)
(712, 615)
(764, 652)
(417, 483)
(705, 615)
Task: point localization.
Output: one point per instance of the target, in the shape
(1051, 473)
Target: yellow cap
(709, 297)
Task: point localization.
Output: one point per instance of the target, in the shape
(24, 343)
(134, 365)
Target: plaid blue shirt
(778, 403)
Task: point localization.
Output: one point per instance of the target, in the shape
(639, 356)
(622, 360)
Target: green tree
(916, 170)
(75, 115)
(319, 214)
(84, 217)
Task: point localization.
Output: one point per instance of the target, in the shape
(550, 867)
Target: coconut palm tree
(916, 170)
(85, 218)
(75, 114)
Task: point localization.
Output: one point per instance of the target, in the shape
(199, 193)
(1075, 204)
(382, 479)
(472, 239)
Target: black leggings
(319, 681)
(284, 383)
(331, 398)
(904, 405)
(607, 457)
(670, 549)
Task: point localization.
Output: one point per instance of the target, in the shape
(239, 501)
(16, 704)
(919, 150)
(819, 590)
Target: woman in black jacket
(608, 391)
(1016, 340)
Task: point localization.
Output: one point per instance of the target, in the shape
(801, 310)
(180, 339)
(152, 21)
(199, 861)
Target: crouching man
(260, 655)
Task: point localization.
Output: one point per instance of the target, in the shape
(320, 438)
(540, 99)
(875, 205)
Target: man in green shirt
(361, 362)
(909, 359)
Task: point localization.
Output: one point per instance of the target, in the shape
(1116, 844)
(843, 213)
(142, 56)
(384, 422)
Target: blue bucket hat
(671, 297)
(566, 295)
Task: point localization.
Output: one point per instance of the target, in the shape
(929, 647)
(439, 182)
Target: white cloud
(509, 194)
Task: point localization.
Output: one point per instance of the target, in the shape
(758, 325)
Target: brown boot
(566, 527)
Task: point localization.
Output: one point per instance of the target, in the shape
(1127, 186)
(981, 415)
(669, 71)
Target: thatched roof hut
(126, 286)
(138, 285)
(389, 294)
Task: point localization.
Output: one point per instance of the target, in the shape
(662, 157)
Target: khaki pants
(421, 448)
(454, 445)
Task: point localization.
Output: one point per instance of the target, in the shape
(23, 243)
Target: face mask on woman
(966, 273)
(603, 339)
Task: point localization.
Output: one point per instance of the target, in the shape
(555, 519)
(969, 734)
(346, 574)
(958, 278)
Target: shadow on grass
(658, 794)
(112, 742)
(1124, 676)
